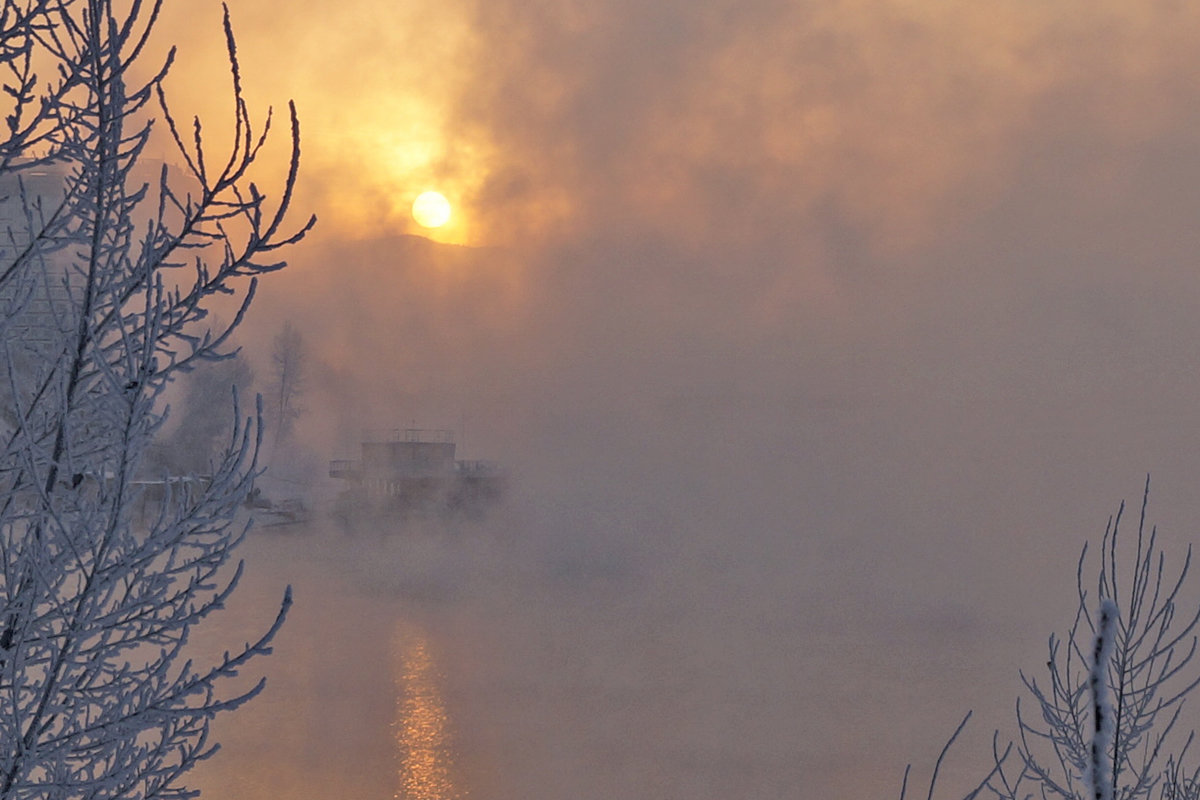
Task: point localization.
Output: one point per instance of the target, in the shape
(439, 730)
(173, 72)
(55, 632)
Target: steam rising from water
(805, 430)
(507, 660)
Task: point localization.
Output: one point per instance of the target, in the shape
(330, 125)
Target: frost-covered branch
(109, 266)
(1103, 725)
(1100, 778)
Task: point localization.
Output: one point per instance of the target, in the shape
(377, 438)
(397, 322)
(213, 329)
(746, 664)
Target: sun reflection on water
(421, 726)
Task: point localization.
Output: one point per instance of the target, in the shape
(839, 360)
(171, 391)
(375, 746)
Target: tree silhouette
(289, 366)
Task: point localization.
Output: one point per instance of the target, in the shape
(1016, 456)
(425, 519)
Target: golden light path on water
(421, 725)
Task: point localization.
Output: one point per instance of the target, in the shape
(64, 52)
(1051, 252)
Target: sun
(431, 210)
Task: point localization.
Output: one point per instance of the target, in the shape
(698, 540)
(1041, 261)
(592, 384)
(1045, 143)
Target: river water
(546, 653)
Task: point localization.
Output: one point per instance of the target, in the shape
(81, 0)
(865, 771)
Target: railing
(346, 468)
(342, 468)
(478, 467)
(424, 435)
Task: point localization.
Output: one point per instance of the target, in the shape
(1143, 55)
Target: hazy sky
(712, 122)
(980, 218)
(898, 291)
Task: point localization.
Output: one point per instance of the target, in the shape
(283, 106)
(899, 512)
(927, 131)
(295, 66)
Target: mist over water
(741, 556)
(814, 362)
(774, 558)
(605, 652)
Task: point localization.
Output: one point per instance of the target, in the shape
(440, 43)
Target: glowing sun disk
(431, 210)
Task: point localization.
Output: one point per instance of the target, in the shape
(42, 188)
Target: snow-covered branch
(109, 266)
(1104, 720)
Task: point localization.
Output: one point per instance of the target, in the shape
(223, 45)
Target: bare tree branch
(108, 270)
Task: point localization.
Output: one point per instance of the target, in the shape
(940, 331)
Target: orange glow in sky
(375, 135)
(575, 113)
